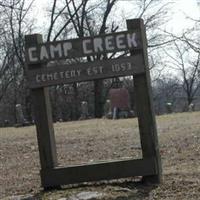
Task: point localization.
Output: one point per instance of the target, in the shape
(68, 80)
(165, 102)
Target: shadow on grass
(123, 190)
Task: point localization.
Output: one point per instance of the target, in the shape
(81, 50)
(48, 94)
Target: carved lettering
(82, 47)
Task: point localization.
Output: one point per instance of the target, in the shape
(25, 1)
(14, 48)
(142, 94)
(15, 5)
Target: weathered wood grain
(99, 171)
(43, 116)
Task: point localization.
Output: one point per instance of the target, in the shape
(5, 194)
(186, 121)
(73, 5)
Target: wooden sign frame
(149, 167)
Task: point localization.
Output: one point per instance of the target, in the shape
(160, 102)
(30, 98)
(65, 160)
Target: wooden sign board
(87, 46)
(85, 71)
(40, 76)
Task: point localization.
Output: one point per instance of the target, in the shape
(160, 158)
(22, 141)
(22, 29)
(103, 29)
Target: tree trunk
(75, 111)
(98, 98)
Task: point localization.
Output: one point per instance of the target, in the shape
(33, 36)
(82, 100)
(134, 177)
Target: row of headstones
(110, 112)
(169, 107)
(116, 112)
(20, 119)
(117, 106)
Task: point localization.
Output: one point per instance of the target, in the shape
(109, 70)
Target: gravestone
(191, 107)
(19, 115)
(119, 98)
(107, 109)
(84, 110)
(115, 113)
(6, 123)
(120, 105)
(168, 107)
(60, 120)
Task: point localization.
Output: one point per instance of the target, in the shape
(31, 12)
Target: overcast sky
(183, 8)
(180, 9)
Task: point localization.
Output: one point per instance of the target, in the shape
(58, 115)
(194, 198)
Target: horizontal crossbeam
(96, 172)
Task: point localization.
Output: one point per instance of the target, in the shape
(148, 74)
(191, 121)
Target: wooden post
(98, 98)
(43, 116)
(144, 107)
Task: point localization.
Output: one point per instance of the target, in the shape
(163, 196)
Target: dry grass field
(93, 140)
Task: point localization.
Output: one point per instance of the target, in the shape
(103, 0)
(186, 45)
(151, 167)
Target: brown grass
(93, 140)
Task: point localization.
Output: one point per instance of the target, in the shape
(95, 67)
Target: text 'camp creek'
(82, 47)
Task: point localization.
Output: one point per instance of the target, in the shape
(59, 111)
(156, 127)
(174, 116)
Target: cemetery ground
(92, 140)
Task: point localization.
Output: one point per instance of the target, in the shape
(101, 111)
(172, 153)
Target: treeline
(66, 100)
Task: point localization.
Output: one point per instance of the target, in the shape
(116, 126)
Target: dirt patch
(93, 140)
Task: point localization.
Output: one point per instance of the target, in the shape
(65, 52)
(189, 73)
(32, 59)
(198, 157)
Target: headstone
(107, 109)
(60, 120)
(132, 113)
(119, 98)
(6, 123)
(19, 115)
(169, 107)
(119, 102)
(124, 114)
(191, 107)
(84, 110)
(115, 113)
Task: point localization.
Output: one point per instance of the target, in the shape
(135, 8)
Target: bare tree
(79, 18)
(166, 89)
(15, 24)
(70, 18)
(186, 62)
